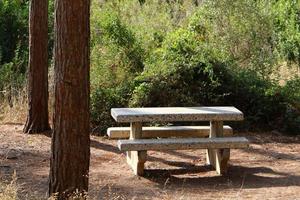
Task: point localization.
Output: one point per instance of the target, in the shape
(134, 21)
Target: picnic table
(140, 139)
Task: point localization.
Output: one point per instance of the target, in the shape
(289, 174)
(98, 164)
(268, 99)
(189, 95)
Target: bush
(287, 29)
(12, 78)
(242, 31)
(291, 122)
(13, 28)
(182, 72)
(116, 55)
(13, 43)
(191, 74)
(176, 53)
(14, 16)
(102, 100)
(291, 92)
(260, 100)
(206, 61)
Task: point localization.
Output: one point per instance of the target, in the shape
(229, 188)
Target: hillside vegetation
(177, 53)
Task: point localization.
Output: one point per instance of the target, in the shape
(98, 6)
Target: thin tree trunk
(37, 118)
(69, 166)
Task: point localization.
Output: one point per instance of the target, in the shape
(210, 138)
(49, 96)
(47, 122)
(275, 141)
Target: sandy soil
(269, 169)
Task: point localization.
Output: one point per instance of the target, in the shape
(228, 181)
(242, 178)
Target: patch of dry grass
(9, 191)
(14, 112)
(286, 72)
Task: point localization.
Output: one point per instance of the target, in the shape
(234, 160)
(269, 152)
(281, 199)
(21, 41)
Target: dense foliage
(179, 53)
(13, 45)
(14, 16)
(287, 27)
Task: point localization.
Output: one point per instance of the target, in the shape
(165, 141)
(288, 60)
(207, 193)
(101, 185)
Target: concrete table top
(167, 114)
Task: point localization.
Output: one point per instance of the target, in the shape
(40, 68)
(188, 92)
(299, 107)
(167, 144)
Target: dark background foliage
(178, 53)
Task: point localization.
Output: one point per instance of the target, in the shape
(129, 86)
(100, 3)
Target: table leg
(136, 159)
(218, 158)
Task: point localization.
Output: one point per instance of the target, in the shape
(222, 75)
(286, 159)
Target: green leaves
(13, 43)
(221, 52)
(287, 23)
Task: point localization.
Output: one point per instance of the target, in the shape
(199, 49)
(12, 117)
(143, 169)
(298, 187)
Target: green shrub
(240, 30)
(189, 73)
(12, 77)
(291, 92)
(182, 72)
(192, 65)
(13, 44)
(259, 99)
(177, 53)
(287, 29)
(116, 55)
(102, 100)
(291, 122)
(13, 28)
(14, 16)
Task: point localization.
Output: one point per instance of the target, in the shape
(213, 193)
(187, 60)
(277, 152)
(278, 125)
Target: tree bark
(69, 165)
(37, 118)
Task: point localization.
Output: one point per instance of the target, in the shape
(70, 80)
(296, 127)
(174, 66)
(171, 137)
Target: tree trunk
(38, 119)
(69, 166)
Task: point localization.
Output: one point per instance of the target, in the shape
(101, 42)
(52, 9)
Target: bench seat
(183, 143)
(166, 132)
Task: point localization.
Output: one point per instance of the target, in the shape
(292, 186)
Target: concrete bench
(218, 146)
(166, 132)
(183, 144)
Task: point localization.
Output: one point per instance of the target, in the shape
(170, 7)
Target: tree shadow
(269, 137)
(186, 165)
(181, 155)
(46, 133)
(237, 176)
(194, 176)
(105, 147)
(272, 153)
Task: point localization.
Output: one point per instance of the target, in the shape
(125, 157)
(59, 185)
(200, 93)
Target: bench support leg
(218, 158)
(136, 159)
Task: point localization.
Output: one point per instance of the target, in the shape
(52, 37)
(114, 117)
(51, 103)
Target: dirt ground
(269, 169)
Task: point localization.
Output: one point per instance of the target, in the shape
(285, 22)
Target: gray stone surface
(166, 114)
(183, 143)
(165, 131)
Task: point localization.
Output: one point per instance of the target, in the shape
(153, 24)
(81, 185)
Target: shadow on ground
(249, 177)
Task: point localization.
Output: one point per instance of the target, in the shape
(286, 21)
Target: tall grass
(9, 191)
(15, 109)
